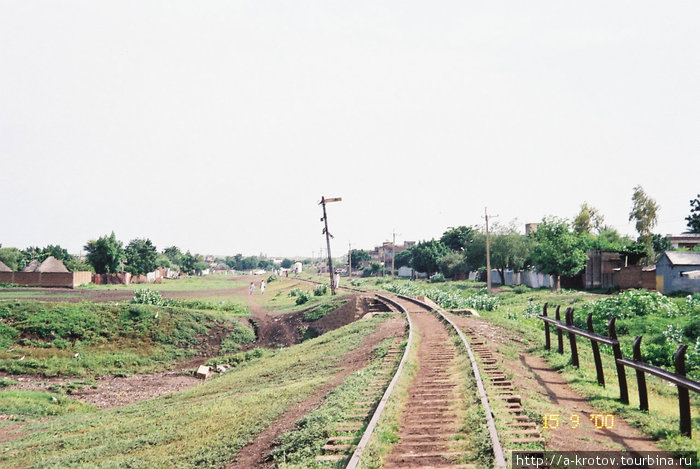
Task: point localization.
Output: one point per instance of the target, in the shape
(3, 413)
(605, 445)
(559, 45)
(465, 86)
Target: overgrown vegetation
(204, 426)
(75, 339)
(321, 310)
(477, 299)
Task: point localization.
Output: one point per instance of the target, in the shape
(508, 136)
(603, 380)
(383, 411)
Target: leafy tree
(105, 254)
(475, 254)
(426, 254)
(11, 257)
(403, 258)
(458, 239)
(174, 254)
(588, 220)
(141, 256)
(644, 213)
(163, 261)
(453, 264)
(358, 256)
(509, 250)
(660, 244)
(77, 265)
(287, 263)
(266, 264)
(694, 218)
(375, 268)
(31, 253)
(558, 250)
(193, 263)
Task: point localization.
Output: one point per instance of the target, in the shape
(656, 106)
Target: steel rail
(357, 454)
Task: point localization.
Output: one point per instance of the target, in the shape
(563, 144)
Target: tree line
(107, 255)
(557, 247)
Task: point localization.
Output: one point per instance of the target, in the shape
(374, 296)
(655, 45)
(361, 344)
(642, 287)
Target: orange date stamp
(600, 421)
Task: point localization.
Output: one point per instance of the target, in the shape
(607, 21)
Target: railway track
(432, 427)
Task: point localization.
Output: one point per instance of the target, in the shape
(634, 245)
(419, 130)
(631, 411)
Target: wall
(634, 276)
(112, 279)
(671, 280)
(46, 279)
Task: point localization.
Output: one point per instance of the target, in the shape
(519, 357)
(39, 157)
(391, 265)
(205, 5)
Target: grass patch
(321, 310)
(77, 339)
(203, 426)
(23, 404)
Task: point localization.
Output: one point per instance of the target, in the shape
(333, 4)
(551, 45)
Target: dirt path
(254, 454)
(531, 374)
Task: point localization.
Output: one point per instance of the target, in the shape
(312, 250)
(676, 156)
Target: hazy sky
(218, 126)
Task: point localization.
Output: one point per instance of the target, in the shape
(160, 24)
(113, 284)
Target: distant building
(384, 253)
(686, 240)
(531, 227)
(4, 267)
(678, 271)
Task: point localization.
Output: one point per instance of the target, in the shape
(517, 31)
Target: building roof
(51, 264)
(32, 266)
(683, 257)
(4, 268)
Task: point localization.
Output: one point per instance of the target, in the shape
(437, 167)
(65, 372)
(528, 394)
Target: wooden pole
(596, 352)
(617, 353)
(328, 245)
(683, 397)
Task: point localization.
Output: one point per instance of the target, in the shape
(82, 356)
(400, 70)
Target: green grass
(298, 447)
(22, 404)
(44, 338)
(190, 283)
(321, 310)
(203, 426)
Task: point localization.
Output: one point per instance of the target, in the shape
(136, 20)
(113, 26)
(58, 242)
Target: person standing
(262, 286)
(251, 288)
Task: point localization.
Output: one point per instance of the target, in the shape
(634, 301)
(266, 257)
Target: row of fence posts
(678, 378)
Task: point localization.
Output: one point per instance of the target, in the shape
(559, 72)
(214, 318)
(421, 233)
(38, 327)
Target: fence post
(641, 379)
(683, 398)
(572, 337)
(596, 352)
(547, 343)
(617, 353)
(560, 338)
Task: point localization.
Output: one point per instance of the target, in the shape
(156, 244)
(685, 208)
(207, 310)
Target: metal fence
(678, 378)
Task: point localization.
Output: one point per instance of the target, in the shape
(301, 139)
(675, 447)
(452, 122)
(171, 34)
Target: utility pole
(393, 252)
(488, 253)
(323, 202)
(349, 260)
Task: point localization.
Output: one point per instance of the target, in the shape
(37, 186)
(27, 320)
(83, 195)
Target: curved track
(432, 424)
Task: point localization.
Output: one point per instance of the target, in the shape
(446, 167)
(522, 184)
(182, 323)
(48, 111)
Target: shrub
(271, 278)
(146, 296)
(303, 297)
(320, 290)
(295, 291)
(437, 278)
(520, 289)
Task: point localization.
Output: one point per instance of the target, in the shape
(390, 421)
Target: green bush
(146, 296)
(271, 278)
(240, 334)
(437, 278)
(303, 297)
(320, 290)
(295, 291)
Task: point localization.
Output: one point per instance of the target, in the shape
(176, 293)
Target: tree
(358, 256)
(193, 263)
(11, 257)
(644, 213)
(509, 250)
(588, 220)
(426, 255)
(403, 258)
(558, 250)
(453, 264)
(141, 256)
(694, 218)
(105, 254)
(458, 239)
(287, 263)
(163, 261)
(475, 254)
(174, 254)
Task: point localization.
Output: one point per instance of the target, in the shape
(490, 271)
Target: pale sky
(218, 126)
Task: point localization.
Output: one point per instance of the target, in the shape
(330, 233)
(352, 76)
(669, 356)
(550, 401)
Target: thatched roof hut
(51, 264)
